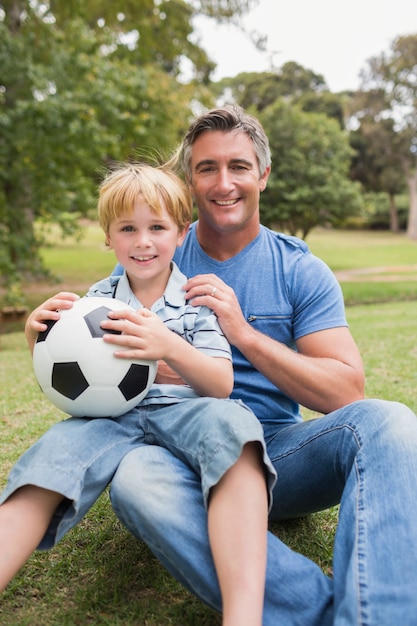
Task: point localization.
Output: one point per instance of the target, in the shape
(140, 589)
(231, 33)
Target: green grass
(99, 574)
(386, 335)
(343, 250)
(80, 261)
(375, 292)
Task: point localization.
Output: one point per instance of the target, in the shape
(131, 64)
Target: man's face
(226, 182)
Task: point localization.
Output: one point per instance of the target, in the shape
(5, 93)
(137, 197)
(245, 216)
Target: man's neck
(222, 246)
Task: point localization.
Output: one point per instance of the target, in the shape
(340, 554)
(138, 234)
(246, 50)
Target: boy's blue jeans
(79, 456)
(363, 456)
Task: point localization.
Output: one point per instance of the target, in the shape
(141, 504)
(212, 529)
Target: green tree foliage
(292, 82)
(375, 163)
(386, 111)
(84, 83)
(309, 184)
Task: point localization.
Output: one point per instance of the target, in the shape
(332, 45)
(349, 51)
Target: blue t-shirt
(285, 292)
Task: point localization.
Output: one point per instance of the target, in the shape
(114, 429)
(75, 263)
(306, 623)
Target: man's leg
(159, 499)
(364, 455)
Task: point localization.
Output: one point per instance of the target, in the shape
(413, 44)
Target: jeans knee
(144, 485)
(391, 414)
(119, 487)
(129, 481)
(387, 423)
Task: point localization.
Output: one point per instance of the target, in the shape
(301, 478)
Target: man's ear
(264, 179)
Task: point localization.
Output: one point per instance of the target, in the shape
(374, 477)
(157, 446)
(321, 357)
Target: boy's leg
(209, 435)
(24, 518)
(237, 528)
(76, 458)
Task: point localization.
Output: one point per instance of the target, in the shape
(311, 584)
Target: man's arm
(325, 373)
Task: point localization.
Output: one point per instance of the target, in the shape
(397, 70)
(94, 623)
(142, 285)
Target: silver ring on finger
(213, 292)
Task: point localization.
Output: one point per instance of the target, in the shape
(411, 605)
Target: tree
(375, 162)
(83, 84)
(309, 184)
(260, 89)
(390, 85)
(292, 81)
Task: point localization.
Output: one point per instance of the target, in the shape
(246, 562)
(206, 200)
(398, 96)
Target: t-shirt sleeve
(317, 297)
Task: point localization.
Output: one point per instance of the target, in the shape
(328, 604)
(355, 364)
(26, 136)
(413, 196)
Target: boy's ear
(182, 233)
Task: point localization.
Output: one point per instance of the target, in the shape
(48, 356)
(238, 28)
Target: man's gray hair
(231, 118)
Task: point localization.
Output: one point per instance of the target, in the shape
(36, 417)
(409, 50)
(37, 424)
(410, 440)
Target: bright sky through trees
(331, 38)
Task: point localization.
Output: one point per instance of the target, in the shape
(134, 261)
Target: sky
(331, 38)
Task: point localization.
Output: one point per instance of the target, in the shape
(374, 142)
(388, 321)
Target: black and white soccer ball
(78, 371)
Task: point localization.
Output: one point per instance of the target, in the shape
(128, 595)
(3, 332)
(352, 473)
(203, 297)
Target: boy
(145, 213)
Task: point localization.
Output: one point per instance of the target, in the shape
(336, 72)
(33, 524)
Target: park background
(86, 84)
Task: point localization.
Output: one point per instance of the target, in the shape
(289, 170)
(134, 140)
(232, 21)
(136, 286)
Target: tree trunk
(393, 214)
(412, 214)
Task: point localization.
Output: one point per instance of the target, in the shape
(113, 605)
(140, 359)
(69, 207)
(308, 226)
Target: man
(282, 311)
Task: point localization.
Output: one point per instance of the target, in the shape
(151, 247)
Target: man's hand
(209, 290)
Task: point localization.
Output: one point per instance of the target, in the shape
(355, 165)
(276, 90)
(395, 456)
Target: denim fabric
(363, 456)
(78, 457)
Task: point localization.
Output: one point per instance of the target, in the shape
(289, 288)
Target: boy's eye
(157, 227)
(128, 229)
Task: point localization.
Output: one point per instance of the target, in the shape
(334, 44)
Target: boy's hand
(45, 312)
(143, 334)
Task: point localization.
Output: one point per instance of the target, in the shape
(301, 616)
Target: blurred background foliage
(86, 83)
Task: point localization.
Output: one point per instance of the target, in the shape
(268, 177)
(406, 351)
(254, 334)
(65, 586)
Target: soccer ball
(78, 371)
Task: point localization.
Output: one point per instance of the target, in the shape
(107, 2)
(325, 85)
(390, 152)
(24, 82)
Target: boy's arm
(208, 376)
(149, 338)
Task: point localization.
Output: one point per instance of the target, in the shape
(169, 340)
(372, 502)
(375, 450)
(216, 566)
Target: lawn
(99, 574)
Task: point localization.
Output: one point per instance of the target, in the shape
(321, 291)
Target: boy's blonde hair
(159, 187)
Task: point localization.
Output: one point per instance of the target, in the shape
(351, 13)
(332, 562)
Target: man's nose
(224, 180)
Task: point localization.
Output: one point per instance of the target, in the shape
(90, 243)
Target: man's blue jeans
(363, 456)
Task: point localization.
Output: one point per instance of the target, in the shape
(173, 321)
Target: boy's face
(144, 243)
